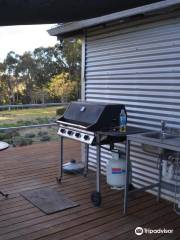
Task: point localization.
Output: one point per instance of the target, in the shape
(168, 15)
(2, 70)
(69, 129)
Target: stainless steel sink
(157, 135)
(166, 141)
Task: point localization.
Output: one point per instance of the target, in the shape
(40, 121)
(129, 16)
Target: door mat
(48, 200)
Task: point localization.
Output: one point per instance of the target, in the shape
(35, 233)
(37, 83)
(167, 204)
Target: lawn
(31, 116)
(25, 117)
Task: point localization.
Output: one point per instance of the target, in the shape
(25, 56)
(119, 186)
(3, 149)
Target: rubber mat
(48, 200)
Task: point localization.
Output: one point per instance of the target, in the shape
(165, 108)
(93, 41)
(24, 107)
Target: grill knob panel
(86, 137)
(78, 135)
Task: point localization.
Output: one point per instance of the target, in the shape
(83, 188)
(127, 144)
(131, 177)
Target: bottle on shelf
(122, 120)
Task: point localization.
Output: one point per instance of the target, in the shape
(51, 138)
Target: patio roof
(76, 27)
(54, 11)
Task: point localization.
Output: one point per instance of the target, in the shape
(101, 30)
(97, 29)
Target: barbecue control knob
(78, 135)
(70, 132)
(63, 130)
(86, 137)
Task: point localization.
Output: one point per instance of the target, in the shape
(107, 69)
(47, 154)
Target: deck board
(36, 166)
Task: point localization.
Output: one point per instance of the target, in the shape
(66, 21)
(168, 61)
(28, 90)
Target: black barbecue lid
(84, 112)
(92, 115)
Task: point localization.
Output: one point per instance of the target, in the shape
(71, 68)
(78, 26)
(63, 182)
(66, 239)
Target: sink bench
(160, 144)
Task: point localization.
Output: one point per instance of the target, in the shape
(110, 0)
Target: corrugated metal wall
(137, 63)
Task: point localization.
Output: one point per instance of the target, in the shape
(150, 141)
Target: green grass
(22, 117)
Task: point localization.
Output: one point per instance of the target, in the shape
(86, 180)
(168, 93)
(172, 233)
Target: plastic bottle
(122, 121)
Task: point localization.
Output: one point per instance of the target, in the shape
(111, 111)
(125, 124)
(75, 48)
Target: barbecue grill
(92, 123)
(82, 119)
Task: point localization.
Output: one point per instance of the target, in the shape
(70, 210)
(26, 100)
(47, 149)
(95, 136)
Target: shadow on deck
(36, 166)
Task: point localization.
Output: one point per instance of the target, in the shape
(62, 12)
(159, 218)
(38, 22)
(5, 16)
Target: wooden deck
(35, 167)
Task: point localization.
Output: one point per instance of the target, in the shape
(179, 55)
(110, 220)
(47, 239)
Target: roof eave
(76, 27)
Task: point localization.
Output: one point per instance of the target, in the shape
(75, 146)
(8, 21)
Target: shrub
(24, 123)
(45, 138)
(27, 123)
(42, 133)
(20, 122)
(9, 141)
(29, 135)
(2, 136)
(8, 135)
(13, 133)
(20, 141)
(60, 111)
(43, 120)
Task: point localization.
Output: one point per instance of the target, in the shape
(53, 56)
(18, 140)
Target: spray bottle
(122, 120)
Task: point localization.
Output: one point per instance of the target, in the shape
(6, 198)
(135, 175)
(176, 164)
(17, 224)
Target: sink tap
(163, 127)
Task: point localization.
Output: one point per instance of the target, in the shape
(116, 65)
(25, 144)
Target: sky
(24, 38)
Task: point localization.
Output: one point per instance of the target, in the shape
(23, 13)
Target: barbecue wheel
(96, 198)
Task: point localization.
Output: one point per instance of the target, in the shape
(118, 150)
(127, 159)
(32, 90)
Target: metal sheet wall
(137, 63)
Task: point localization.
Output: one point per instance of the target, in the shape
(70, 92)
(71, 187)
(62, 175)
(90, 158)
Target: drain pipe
(177, 187)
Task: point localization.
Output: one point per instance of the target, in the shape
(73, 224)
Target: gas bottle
(116, 169)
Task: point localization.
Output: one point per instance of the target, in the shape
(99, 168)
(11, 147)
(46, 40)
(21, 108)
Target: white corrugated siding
(137, 64)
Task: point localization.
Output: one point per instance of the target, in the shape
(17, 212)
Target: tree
(26, 70)
(61, 87)
(24, 77)
(48, 64)
(71, 53)
(10, 76)
(39, 95)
